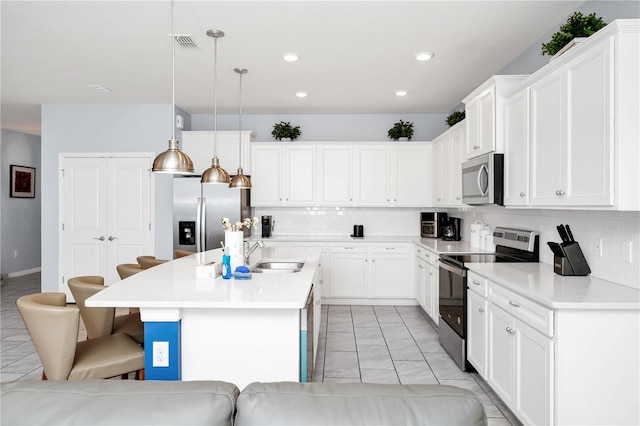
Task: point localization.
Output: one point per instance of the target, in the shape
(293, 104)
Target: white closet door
(106, 215)
(128, 212)
(84, 219)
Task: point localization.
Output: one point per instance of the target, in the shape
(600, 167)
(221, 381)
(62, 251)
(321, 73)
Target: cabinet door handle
(458, 198)
(348, 248)
(510, 330)
(480, 309)
(512, 303)
(430, 273)
(420, 266)
(476, 282)
(111, 238)
(476, 147)
(439, 199)
(522, 194)
(101, 238)
(559, 192)
(389, 248)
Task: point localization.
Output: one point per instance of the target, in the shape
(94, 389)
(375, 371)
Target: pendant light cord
(215, 97)
(173, 77)
(240, 123)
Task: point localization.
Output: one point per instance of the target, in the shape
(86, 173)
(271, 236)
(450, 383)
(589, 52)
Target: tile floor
(372, 344)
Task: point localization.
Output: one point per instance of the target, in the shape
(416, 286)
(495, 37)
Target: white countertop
(538, 282)
(174, 284)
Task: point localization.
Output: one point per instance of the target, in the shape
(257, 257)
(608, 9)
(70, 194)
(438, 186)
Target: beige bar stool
(53, 327)
(182, 253)
(147, 262)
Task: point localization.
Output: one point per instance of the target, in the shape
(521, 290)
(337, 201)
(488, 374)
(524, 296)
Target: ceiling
(353, 55)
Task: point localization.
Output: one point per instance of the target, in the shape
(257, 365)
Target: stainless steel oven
(512, 245)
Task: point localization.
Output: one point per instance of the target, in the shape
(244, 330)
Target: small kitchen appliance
(452, 230)
(512, 245)
(431, 224)
(358, 231)
(483, 180)
(267, 226)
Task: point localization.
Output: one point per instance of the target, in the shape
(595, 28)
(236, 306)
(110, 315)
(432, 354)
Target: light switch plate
(625, 251)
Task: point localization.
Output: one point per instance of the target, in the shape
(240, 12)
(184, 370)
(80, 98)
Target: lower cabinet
(426, 279)
(477, 331)
(362, 270)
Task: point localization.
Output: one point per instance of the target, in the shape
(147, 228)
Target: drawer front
(389, 248)
(426, 255)
(536, 316)
(349, 248)
(478, 284)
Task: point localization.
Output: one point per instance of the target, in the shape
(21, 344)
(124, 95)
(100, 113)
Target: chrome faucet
(248, 251)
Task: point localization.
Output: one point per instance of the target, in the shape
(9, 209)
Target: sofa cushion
(288, 403)
(117, 402)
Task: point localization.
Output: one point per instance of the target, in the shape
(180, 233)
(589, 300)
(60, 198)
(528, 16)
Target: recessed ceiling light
(99, 88)
(424, 56)
(290, 57)
(401, 93)
(301, 94)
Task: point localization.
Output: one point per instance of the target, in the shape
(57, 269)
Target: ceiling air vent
(185, 41)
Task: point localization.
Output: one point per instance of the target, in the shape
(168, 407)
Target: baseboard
(367, 301)
(25, 272)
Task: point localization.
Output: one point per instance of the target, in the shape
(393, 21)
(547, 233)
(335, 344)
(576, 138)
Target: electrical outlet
(625, 251)
(160, 354)
(597, 247)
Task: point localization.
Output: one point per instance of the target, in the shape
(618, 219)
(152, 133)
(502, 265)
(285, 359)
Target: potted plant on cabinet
(284, 130)
(401, 129)
(577, 26)
(455, 117)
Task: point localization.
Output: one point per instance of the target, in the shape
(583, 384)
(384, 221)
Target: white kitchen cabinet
(372, 175)
(427, 269)
(370, 271)
(420, 277)
(477, 325)
(571, 132)
(390, 271)
(501, 353)
(335, 177)
(484, 109)
(583, 127)
(516, 150)
(199, 146)
(447, 161)
(283, 175)
(396, 174)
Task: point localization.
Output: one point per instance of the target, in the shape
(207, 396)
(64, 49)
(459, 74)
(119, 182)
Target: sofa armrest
(114, 402)
(289, 403)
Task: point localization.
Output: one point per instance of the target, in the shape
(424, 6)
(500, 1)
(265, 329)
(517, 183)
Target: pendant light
(173, 160)
(240, 181)
(215, 173)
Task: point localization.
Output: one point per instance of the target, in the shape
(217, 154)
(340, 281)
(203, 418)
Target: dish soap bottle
(226, 265)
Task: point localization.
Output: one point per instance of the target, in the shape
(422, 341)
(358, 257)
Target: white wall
(19, 217)
(329, 127)
(102, 128)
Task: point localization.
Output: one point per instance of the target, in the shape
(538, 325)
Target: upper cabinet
(199, 146)
(447, 166)
(485, 114)
(341, 174)
(571, 139)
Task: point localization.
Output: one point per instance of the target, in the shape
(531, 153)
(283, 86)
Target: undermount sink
(275, 267)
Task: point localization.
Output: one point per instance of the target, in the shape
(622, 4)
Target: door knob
(111, 238)
(522, 194)
(101, 238)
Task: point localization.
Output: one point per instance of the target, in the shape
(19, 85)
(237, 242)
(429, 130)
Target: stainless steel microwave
(483, 180)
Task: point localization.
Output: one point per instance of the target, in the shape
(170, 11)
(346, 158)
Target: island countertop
(174, 284)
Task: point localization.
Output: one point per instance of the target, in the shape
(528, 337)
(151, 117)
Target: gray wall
(329, 127)
(19, 217)
(102, 128)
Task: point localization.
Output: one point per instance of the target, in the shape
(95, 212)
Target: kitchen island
(238, 331)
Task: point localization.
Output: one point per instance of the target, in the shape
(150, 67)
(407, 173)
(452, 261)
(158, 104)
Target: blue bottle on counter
(226, 267)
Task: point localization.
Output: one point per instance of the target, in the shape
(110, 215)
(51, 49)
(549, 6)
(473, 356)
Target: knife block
(573, 263)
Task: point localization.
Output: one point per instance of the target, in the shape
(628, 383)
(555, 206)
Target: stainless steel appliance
(267, 226)
(483, 180)
(198, 209)
(452, 231)
(512, 245)
(431, 224)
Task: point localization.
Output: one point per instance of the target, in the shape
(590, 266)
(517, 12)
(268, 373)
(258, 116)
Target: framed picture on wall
(23, 182)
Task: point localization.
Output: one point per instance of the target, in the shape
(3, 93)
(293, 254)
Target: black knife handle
(570, 234)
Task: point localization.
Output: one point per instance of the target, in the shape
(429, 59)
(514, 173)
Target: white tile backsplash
(616, 229)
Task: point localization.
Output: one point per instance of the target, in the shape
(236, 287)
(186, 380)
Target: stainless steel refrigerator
(198, 209)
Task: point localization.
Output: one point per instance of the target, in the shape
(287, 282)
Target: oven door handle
(456, 270)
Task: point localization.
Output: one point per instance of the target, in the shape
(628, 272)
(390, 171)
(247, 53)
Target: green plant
(283, 130)
(401, 129)
(455, 117)
(578, 25)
